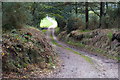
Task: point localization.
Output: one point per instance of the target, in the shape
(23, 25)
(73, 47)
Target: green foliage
(73, 24)
(15, 15)
(112, 17)
(93, 22)
(110, 34)
(61, 23)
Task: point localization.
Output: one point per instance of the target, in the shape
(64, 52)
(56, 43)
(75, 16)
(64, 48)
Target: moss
(110, 34)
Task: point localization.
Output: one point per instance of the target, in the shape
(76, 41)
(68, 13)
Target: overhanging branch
(95, 12)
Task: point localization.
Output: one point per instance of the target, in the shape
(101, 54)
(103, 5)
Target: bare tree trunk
(86, 15)
(101, 13)
(118, 6)
(76, 8)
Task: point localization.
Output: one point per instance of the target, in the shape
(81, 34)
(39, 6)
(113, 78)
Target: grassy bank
(97, 51)
(25, 49)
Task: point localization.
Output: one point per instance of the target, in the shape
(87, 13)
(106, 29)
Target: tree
(15, 15)
(76, 8)
(33, 11)
(86, 15)
(102, 5)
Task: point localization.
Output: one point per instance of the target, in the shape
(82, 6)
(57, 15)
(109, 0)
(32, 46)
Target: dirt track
(75, 66)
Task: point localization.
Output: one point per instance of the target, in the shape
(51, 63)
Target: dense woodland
(88, 15)
(95, 24)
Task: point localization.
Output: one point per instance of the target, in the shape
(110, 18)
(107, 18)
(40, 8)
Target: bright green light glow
(48, 22)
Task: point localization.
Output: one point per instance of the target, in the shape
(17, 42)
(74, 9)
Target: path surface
(75, 66)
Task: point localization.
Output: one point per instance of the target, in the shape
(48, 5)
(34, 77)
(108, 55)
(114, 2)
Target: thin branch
(95, 12)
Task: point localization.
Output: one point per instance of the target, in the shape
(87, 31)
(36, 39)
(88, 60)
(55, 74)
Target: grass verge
(88, 59)
(54, 41)
(76, 44)
(44, 31)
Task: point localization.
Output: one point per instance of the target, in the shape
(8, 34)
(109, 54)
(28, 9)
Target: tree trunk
(76, 8)
(101, 13)
(33, 13)
(106, 5)
(86, 15)
(118, 6)
(34, 8)
(106, 8)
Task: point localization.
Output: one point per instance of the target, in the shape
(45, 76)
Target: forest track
(77, 66)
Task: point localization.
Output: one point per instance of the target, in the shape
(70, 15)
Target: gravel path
(75, 66)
